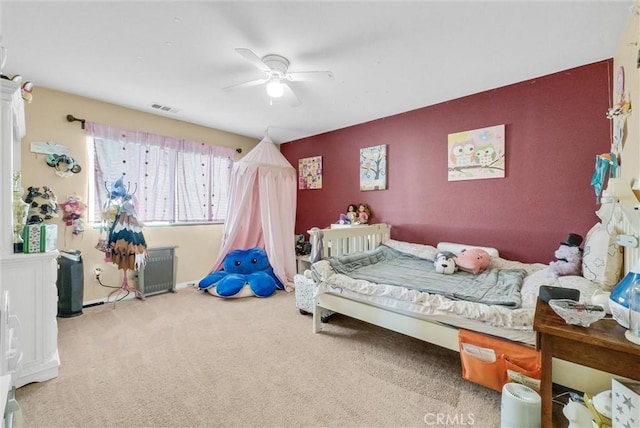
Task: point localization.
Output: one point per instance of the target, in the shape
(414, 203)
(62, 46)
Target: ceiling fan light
(275, 89)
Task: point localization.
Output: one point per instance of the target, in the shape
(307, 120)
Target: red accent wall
(555, 125)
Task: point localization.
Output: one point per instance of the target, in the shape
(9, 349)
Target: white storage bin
(306, 289)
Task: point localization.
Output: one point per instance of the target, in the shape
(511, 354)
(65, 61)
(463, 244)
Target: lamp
(275, 88)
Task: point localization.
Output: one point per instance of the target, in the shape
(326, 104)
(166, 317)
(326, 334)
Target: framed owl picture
(476, 154)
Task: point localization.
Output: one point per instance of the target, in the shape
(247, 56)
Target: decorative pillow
(473, 260)
(602, 258)
(457, 248)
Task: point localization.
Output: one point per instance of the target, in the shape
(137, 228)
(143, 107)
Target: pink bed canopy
(262, 209)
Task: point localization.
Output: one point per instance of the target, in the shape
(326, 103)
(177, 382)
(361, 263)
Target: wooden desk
(601, 346)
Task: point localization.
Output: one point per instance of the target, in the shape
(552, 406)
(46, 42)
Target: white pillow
(602, 258)
(457, 248)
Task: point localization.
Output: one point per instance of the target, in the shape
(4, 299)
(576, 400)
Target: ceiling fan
(277, 75)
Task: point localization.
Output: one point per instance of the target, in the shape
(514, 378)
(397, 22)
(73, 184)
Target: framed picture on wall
(373, 168)
(476, 154)
(310, 173)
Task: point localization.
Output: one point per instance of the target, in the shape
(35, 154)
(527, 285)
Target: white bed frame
(345, 240)
(341, 241)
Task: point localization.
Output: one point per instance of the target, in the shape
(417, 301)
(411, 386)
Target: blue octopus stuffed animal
(244, 273)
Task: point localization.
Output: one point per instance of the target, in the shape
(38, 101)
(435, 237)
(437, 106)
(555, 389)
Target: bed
(436, 319)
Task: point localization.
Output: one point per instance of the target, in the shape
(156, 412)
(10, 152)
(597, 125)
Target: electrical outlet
(97, 271)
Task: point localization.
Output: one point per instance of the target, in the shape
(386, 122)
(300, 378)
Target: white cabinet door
(31, 281)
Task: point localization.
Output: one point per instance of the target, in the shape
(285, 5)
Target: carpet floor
(188, 359)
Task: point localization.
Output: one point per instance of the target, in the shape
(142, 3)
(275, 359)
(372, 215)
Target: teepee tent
(262, 209)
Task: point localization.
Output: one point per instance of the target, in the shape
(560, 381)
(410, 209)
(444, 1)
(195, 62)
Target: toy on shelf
(364, 214)
(343, 219)
(352, 213)
(356, 215)
(350, 217)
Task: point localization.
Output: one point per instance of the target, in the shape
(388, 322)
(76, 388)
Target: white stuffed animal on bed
(569, 257)
(444, 262)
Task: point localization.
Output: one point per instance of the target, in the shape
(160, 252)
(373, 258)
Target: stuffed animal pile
(472, 260)
(244, 273)
(568, 257)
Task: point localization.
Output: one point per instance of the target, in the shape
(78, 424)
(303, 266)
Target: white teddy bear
(569, 257)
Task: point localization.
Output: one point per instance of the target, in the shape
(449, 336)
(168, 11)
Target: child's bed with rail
(437, 319)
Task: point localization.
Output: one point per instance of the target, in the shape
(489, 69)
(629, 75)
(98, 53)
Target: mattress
(512, 324)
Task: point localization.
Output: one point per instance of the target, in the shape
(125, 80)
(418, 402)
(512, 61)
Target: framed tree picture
(373, 168)
(310, 173)
(476, 154)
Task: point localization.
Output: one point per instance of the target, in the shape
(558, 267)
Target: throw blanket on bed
(385, 265)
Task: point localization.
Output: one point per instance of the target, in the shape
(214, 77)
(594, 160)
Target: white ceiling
(387, 57)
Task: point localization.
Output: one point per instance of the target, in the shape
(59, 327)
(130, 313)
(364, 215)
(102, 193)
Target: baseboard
(187, 284)
(102, 301)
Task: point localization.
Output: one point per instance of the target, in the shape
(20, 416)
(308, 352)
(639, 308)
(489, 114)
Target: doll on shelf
(364, 213)
(352, 214)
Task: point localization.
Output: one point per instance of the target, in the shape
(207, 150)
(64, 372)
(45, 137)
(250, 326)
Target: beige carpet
(192, 360)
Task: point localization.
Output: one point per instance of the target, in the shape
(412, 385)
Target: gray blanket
(385, 265)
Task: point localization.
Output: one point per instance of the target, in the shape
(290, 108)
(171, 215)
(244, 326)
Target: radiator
(159, 272)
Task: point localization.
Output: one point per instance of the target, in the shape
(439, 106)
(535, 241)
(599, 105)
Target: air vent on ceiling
(163, 108)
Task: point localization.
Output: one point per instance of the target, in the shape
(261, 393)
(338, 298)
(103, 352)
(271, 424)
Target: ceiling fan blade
(291, 96)
(245, 84)
(307, 76)
(253, 59)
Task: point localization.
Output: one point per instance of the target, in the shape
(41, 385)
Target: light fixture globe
(275, 88)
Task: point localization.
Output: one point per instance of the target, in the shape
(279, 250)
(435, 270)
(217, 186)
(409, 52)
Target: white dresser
(29, 278)
(31, 282)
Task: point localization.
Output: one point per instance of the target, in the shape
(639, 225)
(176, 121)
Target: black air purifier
(70, 284)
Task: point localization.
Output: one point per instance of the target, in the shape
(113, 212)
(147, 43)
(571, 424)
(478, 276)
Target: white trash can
(521, 407)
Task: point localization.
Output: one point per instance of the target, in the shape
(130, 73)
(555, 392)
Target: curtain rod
(72, 118)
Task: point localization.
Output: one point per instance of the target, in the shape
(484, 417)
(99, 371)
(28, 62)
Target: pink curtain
(175, 180)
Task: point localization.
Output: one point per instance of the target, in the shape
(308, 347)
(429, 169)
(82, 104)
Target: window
(171, 180)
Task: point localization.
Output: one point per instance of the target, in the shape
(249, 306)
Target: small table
(601, 346)
(303, 263)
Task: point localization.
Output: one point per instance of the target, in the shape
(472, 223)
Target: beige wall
(627, 56)
(46, 121)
